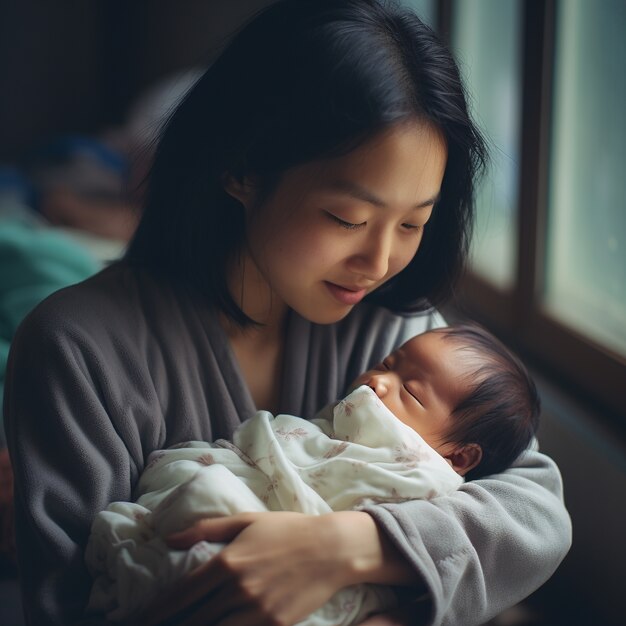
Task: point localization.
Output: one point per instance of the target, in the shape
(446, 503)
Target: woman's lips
(345, 295)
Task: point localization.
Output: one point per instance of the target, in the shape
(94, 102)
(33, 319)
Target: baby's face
(421, 383)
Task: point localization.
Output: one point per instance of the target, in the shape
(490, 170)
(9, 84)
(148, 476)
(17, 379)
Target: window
(586, 246)
(426, 9)
(487, 43)
(548, 266)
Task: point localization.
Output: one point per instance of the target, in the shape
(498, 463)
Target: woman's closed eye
(412, 227)
(344, 223)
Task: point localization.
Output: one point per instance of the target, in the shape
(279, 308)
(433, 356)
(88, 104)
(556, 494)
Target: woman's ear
(464, 457)
(242, 189)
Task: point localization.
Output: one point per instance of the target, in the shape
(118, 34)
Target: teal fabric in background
(35, 261)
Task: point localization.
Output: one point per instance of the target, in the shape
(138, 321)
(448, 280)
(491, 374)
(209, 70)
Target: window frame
(583, 367)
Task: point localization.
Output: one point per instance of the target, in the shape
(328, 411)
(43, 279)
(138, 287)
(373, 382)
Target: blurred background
(85, 85)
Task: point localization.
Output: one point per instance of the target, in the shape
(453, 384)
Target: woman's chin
(328, 316)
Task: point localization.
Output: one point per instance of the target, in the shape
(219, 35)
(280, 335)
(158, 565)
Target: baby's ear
(464, 457)
(242, 189)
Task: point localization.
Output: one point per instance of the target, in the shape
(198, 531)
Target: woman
(309, 203)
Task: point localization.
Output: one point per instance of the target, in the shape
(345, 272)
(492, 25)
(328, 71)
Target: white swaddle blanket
(362, 455)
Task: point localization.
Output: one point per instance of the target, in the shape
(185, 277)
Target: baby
(465, 393)
(448, 404)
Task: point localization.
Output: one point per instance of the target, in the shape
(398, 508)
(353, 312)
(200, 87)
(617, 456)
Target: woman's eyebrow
(356, 191)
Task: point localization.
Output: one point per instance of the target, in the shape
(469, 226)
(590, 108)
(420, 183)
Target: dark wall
(76, 65)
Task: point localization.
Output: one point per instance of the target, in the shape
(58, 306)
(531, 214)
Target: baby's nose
(379, 383)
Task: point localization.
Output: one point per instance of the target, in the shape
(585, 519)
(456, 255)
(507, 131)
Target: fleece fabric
(103, 373)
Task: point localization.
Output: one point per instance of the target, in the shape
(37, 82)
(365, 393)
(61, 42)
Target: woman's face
(334, 230)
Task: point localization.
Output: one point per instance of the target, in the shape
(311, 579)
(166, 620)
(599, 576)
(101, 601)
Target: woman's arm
(487, 546)
(69, 462)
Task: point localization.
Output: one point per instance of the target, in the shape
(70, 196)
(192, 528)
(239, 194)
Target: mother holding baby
(309, 204)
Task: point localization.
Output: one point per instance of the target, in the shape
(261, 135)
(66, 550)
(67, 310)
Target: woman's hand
(277, 569)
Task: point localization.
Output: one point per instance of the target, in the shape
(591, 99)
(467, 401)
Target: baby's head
(464, 392)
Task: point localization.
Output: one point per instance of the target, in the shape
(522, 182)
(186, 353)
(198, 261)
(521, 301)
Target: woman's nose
(372, 259)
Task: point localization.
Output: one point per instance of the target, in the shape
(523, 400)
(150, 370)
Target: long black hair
(304, 80)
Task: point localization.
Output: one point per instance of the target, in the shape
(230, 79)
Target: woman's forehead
(402, 166)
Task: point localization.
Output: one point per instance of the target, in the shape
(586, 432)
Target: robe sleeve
(68, 459)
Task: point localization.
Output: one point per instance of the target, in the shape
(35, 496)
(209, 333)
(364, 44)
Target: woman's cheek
(314, 246)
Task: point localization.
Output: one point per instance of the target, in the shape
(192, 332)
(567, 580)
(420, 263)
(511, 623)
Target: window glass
(486, 37)
(425, 9)
(586, 243)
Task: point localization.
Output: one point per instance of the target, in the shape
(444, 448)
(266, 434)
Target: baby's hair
(501, 412)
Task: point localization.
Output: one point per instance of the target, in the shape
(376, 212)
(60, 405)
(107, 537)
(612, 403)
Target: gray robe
(103, 373)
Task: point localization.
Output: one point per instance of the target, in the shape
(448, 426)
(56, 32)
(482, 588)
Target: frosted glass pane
(586, 251)
(425, 9)
(486, 38)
